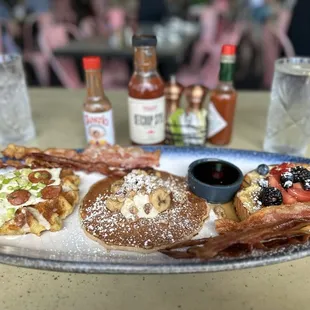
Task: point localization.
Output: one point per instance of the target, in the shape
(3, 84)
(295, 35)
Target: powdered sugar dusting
(146, 183)
(183, 218)
(257, 204)
(263, 182)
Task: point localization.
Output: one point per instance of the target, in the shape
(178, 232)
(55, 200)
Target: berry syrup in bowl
(215, 180)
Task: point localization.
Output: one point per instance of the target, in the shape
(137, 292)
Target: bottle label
(216, 122)
(99, 127)
(147, 120)
(187, 128)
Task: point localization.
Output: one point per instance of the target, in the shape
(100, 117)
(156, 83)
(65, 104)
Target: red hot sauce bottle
(97, 113)
(146, 102)
(223, 100)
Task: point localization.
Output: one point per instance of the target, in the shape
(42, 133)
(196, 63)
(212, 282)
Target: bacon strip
(13, 163)
(112, 156)
(239, 242)
(127, 158)
(269, 215)
(265, 229)
(39, 160)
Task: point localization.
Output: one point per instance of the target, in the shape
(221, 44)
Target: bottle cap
(195, 95)
(173, 79)
(173, 89)
(144, 40)
(91, 63)
(229, 49)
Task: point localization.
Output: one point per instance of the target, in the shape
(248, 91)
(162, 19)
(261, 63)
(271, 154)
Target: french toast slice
(45, 213)
(247, 200)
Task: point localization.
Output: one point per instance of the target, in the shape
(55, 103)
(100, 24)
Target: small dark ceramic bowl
(215, 180)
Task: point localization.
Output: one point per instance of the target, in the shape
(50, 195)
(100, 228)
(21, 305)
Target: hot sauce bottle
(97, 114)
(196, 114)
(173, 93)
(195, 95)
(223, 100)
(146, 102)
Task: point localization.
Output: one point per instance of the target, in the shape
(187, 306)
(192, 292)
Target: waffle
(48, 213)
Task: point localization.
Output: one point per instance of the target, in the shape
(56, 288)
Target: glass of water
(16, 124)
(288, 122)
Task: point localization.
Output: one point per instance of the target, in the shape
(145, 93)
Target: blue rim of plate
(174, 266)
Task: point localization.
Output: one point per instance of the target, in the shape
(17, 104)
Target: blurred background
(53, 36)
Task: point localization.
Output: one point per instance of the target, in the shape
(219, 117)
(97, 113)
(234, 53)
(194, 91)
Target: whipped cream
(137, 207)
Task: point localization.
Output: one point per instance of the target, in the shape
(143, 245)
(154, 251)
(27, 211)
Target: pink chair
(100, 8)
(209, 73)
(1, 43)
(57, 35)
(64, 12)
(7, 43)
(215, 34)
(209, 20)
(91, 26)
(275, 37)
(33, 55)
(210, 24)
(106, 22)
(95, 25)
(116, 18)
(115, 74)
(87, 27)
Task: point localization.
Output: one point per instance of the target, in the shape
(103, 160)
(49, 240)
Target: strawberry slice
(280, 169)
(293, 194)
(299, 194)
(297, 186)
(287, 198)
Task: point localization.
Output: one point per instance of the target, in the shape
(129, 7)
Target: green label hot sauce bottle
(223, 100)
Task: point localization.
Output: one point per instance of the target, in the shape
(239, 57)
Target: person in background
(178, 8)
(299, 30)
(210, 20)
(275, 37)
(267, 23)
(152, 11)
(13, 11)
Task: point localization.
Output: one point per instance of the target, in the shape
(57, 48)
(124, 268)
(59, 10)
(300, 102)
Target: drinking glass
(288, 121)
(16, 124)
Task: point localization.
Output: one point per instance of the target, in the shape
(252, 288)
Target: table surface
(57, 115)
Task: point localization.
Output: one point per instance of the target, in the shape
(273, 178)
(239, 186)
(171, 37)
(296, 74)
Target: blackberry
(262, 169)
(306, 184)
(300, 174)
(287, 179)
(270, 196)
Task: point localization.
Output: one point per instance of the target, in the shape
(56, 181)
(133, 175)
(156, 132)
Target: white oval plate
(70, 250)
